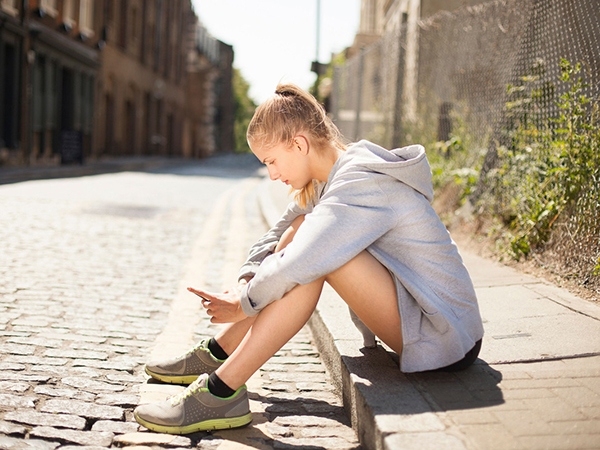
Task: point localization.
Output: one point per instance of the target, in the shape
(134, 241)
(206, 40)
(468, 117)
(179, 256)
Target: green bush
(458, 160)
(244, 110)
(549, 163)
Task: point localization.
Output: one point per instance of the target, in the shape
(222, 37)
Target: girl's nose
(273, 174)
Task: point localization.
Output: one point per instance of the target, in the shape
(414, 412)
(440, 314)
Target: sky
(275, 40)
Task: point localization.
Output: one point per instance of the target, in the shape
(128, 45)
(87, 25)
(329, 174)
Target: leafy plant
(548, 162)
(244, 109)
(457, 160)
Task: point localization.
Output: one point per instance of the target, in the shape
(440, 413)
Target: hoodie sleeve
(266, 244)
(352, 214)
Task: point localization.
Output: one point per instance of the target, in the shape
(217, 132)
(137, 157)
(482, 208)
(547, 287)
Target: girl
(363, 223)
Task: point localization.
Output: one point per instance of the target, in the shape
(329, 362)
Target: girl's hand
(243, 282)
(223, 308)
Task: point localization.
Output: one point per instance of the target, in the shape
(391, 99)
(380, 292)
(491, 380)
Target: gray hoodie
(378, 200)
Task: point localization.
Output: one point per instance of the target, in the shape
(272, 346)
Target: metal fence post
(397, 124)
(335, 94)
(361, 64)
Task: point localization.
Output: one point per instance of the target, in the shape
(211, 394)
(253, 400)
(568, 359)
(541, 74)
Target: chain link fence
(489, 75)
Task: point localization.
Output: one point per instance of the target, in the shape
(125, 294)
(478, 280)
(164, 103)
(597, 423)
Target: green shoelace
(193, 350)
(188, 391)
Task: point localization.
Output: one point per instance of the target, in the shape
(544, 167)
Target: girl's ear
(301, 144)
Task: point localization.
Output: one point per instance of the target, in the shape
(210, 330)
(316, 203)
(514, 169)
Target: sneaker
(185, 368)
(196, 409)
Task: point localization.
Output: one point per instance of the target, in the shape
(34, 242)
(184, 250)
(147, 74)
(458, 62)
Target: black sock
(216, 349)
(217, 387)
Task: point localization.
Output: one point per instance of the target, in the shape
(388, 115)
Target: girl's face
(288, 164)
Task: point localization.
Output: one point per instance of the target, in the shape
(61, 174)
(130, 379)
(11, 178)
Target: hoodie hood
(408, 165)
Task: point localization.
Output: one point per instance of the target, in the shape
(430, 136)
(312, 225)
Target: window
(144, 34)
(9, 105)
(134, 23)
(150, 56)
(69, 13)
(86, 17)
(9, 7)
(49, 7)
(123, 24)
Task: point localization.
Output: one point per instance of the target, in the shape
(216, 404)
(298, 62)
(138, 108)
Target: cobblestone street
(93, 273)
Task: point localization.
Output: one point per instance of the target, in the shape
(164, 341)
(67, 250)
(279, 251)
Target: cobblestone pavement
(91, 276)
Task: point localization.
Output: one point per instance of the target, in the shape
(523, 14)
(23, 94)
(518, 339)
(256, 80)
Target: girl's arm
(265, 246)
(352, 214)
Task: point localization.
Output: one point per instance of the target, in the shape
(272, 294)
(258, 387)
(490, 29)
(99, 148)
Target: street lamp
(316, 66)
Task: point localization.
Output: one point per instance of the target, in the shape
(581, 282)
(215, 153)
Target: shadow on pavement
(262, 433)
(475, 387)
(231, 166)
(396, 393)
(222, 166)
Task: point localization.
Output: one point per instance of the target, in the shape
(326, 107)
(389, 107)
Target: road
(92, 284)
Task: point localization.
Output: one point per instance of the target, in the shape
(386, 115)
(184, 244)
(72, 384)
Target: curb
(368, 380)
(380, 401)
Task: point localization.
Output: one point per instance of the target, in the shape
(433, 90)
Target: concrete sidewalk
(536, 384)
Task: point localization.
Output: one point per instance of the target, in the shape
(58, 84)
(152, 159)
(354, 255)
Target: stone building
(49, 60)
(165, 83)
(88, 79)
(209, 127)
(141, 90)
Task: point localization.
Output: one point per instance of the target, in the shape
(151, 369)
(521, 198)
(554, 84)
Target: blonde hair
(284, 115)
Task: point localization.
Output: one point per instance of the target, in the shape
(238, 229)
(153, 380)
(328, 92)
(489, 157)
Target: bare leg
(231, 336)
(363, 283)
(369, 289)
(274, 326)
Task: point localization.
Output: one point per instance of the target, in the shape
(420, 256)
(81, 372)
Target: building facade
(88, 79)
(49, 60)
(209, 124)
(142, 101)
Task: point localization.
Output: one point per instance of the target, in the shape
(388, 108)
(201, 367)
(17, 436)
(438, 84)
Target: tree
(244, 109)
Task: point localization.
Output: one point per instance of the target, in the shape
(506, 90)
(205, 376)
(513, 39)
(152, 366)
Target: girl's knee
(288, 235)
(297, 222)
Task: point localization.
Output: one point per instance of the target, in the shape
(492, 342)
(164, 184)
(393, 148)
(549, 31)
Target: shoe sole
(173, 379)
(213, 424)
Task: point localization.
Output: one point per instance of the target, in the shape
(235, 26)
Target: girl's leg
(369, 290)
(273, 327)
(365, 285)
(230, 336)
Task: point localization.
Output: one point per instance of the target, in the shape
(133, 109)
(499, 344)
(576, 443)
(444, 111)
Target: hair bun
(285, 93)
